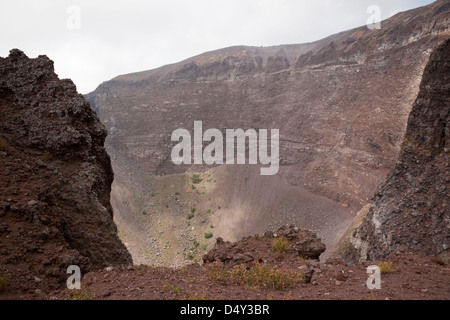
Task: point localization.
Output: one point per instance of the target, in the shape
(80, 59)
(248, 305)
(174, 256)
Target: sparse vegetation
(211, 226)
(193, 210)
(196, 179)
(280, 245)
(386, 267)
(262, 275)
(217, 272)
(190, 216)
(171, 288)
(258, 276)
(83, 294)
(4, 282)
(204, 246)
(208, 235)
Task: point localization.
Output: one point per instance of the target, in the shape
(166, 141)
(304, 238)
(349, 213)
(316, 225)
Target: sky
(92, 41)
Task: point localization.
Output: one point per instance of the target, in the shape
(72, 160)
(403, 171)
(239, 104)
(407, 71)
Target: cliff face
(56, 176)
(341, 103)
(411, 208)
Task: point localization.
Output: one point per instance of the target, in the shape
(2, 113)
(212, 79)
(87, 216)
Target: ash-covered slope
(411, 208)
(341, 103)
(56, 176)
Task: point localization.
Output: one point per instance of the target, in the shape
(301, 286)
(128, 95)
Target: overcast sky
(94, 41)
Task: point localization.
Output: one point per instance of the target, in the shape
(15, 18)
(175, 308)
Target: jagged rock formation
(56, 176)
(300, 244)
(411, 208)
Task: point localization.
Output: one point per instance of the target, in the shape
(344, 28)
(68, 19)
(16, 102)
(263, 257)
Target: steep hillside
(411, 208)
(56, 178)
(341, 105)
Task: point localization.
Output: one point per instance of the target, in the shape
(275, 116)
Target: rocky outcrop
(300, 244)
(411, 208)
(56, 176)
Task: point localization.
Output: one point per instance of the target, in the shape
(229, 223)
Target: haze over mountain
(341, 105)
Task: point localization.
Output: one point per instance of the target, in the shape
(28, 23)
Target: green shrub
(190, 216)
(196, 179)
(208, 235)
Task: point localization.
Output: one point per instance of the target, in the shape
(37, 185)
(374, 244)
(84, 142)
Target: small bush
(190, 216)
(386, 267)
(144, 212)
(208, 235)
(217, 272)
(4, 282)
(193, 210)
(83, 294)
(196, 179)
(280, 245)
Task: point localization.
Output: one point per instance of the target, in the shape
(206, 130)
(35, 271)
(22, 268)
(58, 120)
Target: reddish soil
(415, 277)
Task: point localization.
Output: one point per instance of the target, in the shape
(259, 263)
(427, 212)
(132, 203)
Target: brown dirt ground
(415, 277)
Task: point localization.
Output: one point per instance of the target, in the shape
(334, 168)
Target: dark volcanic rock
(411, 208)
(302, 243)
(56, 176)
